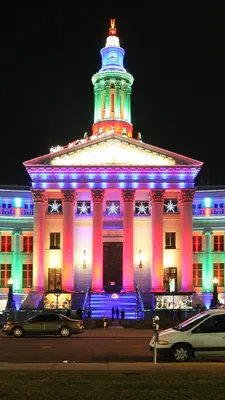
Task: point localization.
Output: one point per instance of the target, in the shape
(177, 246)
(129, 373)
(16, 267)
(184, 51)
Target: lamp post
(10, 305)
(214, 302)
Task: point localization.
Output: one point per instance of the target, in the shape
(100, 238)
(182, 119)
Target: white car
(201, 335)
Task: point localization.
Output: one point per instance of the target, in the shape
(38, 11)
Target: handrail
(139, 303)
(87, 299)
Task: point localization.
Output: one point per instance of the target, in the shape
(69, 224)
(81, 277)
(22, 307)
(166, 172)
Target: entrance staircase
(101, 304)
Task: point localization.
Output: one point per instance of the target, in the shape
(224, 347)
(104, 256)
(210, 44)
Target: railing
(17, 212)
(139, 303)
(86, 304)
(207, 212)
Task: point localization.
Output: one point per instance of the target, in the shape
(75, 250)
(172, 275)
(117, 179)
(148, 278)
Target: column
(38, 238)
(207, 272)
(17, 266)
(97, 240)
(129, 104)
(107, 100)
(125, 103)
(117, 102)
(128, 239)
(185, 200)
(156, 197)
(68, 199)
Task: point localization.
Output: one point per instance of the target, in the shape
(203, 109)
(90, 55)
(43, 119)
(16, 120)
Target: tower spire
(112, 89)
(112, 29)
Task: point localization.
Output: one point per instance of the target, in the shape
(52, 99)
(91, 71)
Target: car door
(52, 323)
(209, 336)
(34, 325)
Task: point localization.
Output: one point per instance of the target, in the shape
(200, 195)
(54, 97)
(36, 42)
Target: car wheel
(65, 331)
(181, 353)
(18, 332)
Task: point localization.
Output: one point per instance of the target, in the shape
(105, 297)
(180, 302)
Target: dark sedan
(44, 324)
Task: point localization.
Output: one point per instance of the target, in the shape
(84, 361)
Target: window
(212, 325)
(170, 206)
(197, 275)
(28, 206)
(141, 207)
(218, 272)
(197, 209)
(218, 208)
(83, 207)
(197, 244)
(27, 275)
(6, 209)
(170, 240)
(6, 244)
(54, 206)
(28, 244)
(112, 207)
(54, 240)
(112, 103)
(218, 243)
(6, 271)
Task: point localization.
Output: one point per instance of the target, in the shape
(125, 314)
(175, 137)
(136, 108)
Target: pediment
(113, 150)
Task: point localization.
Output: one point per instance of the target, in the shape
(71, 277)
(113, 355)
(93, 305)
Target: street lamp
(214, 302)
(10, 305)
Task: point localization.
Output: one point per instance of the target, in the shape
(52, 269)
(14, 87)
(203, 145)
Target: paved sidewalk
(117, 332)
(114, 366)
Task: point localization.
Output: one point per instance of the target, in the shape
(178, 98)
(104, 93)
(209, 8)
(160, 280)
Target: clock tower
(112, 90)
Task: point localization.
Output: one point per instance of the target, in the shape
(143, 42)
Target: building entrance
(112, 266)
(54, 278)
(170, 279)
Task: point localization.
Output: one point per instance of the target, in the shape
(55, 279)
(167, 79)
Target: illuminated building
(109, 209)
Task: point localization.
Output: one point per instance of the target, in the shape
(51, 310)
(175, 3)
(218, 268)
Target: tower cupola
(112, 89)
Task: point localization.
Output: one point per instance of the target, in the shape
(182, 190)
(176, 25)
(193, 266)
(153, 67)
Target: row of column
(157, 201)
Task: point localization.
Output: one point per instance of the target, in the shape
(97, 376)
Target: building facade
(110, 210)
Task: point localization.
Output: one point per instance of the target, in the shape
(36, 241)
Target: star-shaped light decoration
(141, 207)
(55, 206)
(83, 207)
(112, 207)
(170, 206)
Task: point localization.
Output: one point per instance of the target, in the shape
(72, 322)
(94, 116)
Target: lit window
(218, 243)
(27, 276)
(197, 275)
(197, 244)
(6, 272)
(218, 272)
(28, 244)
(54, 240)
(6, 244)
(170, 239)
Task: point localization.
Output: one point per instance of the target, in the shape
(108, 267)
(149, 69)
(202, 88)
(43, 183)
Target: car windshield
(191, 322)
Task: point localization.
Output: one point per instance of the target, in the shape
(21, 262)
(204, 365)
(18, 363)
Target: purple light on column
(43, 177)
(152, 176)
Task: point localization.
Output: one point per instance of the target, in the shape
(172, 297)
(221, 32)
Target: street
(92, 346)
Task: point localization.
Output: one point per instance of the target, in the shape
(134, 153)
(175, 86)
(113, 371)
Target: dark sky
(174, 50)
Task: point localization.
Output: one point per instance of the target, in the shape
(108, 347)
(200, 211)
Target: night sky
(174, 50)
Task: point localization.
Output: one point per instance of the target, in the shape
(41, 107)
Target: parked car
(201, 335)
(44, 324)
